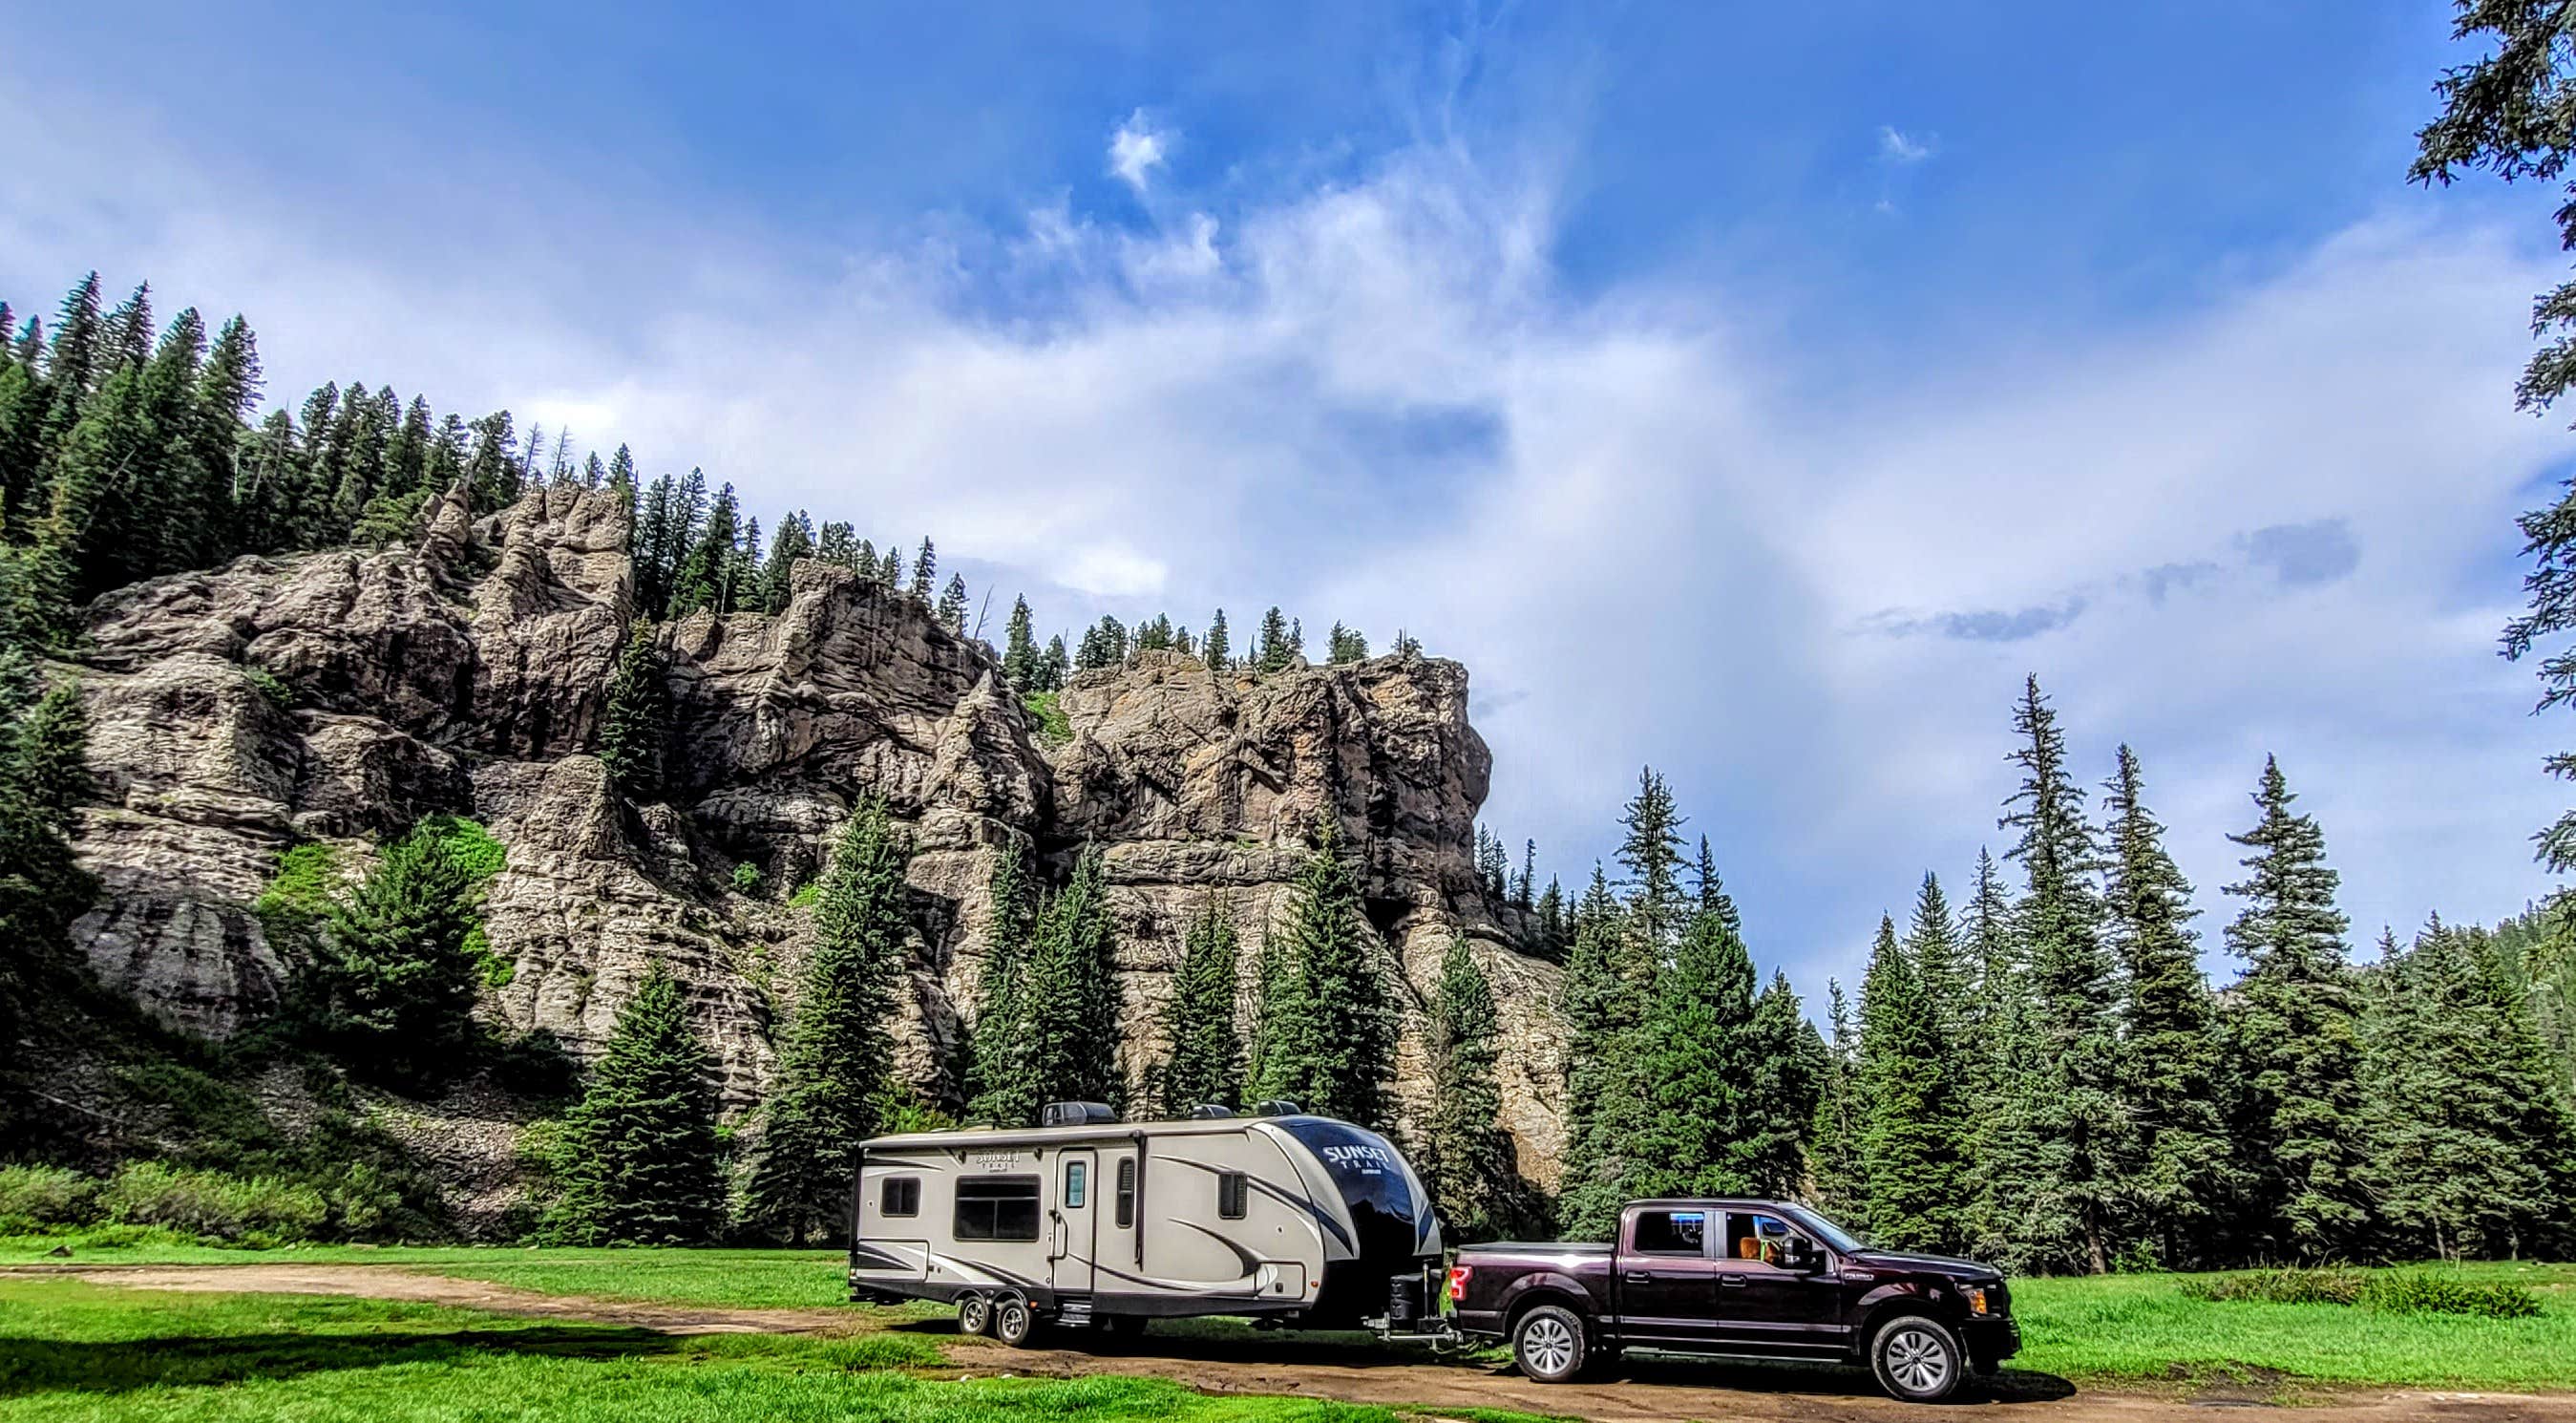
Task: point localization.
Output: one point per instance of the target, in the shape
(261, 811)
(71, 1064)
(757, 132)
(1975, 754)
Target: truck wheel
(1916, 1359)
(974, 1314)
(1014, 1323)
(1549, 1345)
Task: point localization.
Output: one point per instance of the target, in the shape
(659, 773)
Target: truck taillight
(1458, 1282)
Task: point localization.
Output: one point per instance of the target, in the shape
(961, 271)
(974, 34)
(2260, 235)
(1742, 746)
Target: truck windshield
(1835, 1236)
(1371, 1177)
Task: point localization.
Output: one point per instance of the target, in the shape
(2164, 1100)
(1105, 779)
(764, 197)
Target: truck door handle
(1730, 1282)
(1640, 1277)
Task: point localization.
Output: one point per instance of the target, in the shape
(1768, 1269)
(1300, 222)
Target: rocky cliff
(340, 696)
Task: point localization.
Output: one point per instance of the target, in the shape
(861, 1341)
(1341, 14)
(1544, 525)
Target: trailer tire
(1917, 1359)
(1549, 1344)
(1014, 1323)
(974, 1314)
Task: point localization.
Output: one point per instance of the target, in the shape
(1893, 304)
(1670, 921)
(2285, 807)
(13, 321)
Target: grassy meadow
(76, 1349)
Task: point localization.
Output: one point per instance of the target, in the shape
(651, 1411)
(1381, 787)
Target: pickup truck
(1765, 1279)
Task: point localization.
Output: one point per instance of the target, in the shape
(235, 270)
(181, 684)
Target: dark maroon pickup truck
(1741, 1277)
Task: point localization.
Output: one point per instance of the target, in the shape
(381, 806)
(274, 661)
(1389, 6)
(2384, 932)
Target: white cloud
(1896, 146)
(1370, 400)
(1137, 149)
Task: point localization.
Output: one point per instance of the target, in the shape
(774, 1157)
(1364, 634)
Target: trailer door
(1075, 1220)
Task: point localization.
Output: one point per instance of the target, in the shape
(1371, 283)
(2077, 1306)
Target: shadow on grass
(1801, 1376)
(117, 1366)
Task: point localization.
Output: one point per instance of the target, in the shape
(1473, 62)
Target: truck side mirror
(1800, 1256)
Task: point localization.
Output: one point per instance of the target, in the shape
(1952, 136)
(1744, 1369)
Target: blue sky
(1752, 392)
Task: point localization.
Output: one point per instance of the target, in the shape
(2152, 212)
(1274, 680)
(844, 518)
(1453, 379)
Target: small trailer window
(997, 1208)
(1126, 1192)
(1077, 1185)
(901, 1196)
(1230, 1189)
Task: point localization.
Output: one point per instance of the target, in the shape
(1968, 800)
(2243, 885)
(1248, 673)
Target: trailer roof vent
(1211, 1110)
(1075, 1114)
(1277, 1107)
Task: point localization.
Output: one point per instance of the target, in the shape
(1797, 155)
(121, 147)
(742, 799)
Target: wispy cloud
(1896, 146)
(1137, 149)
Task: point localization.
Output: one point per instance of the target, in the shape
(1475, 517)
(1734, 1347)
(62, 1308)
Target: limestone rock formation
(343, 695)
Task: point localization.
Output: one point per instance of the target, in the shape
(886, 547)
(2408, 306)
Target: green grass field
(2134, 1329)
(71, 1350)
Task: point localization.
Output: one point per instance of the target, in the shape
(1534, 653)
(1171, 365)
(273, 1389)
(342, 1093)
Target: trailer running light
(1457, 1288)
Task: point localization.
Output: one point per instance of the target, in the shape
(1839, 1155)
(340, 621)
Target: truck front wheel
(1549, 1344)
(1916, 1359)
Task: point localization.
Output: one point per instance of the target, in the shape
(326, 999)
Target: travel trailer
(1090, 1221)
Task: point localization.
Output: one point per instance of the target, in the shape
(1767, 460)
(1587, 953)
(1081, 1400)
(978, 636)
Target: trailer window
(1230, 1190)
(901, 1196)
(997, 1208)
(1126, 1191)
(1672, 1233)
(1077, 1185)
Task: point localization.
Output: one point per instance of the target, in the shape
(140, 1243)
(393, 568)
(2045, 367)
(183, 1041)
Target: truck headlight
(1975, 1295)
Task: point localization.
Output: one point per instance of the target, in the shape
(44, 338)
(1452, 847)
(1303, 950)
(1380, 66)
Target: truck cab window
(1672, 1232)
(1756, 1238)
(901, 1195)
(1230, 1191)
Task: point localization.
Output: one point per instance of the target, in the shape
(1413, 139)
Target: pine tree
(951, 612)
(1697, 1060)
(1215, 650)
(1205, 1061)
(1000, 1091)
(2470, 1148)
(833, 1086)
(1020, 649)
(2082, 1122)
(1609, 983)
(1329, 1027)
(1273, 651)
(2296, 1036)
(75, 368)
(1344, 645)
(1055, 667)
(493, 468)
(638, 721)
(394, 985)
(701, 580)
(2169, 1055)
(1467, 1160)
(1651, 853)
(1840, 1181)
(125, 338)
(1076, 1006)
(1909, 1121)
(1524, 895)
(42, 776)
(925, 566)
(640, 1153)
(1104, 644)
(793, 541)
(1789, 1064)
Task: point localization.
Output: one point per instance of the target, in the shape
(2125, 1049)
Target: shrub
(2391, 1292)
(2281, 1286)
(37, 1198)
(1053, 727)
(746, 878)
(213, 1203)
(299, 896)
(805, 894)
(268, 685)
(2425, 1292)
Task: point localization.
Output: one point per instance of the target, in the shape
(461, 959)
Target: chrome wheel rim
(1547, 1345)
(1918, 1361)
(974, 1315)
(1014, 1320)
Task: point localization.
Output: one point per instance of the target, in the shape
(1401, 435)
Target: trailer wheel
(974, 1314)
(1014, 1323)
(1916, 1359)
(1549, 1344)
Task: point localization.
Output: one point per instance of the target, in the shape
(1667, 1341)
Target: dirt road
(1642, 1390)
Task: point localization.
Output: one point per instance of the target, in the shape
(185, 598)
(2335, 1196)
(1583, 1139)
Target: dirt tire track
(1644, 1392)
